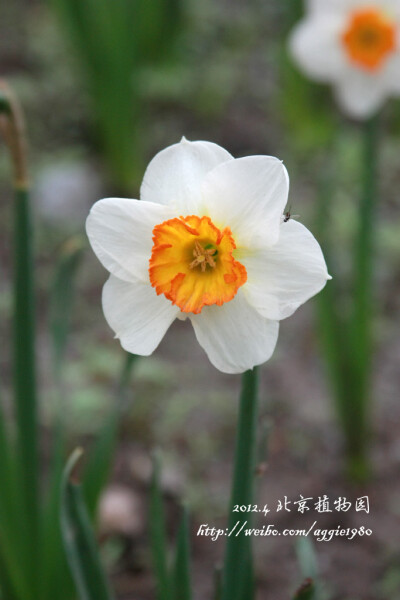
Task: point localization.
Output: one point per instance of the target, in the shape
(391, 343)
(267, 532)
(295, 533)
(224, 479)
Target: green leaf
(54, 565)
(158, 536)
(19, 529)
(100, 457)
(79, 541)
(181, 575)
(25, 381)
(348, 338)
(99, 463)
(55, 568)
(114, 42)
(61, 299)
(9, 581)
(10, 500)
(14, 577)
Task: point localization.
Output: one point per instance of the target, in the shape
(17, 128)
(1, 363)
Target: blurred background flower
(354, 46)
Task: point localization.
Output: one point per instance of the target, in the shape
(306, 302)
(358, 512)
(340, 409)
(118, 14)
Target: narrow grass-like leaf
(10, 501)
(61, 300)
(54, 565)
(348, 343)
(339, 341)
(14, 582)
(237, 574)
(25, 379)
(24, 470)
(332, 329)
(100, 33)
(158, 536)
(99, 462)
(11, 584)
(24, 359)
(181, 575)
(100, 457)
(336, 344)
(115, 41)
(79, 541)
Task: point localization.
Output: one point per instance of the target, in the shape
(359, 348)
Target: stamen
(202, 257)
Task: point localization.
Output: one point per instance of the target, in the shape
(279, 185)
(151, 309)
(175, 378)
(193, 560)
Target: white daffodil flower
(354, 45)
(206, 241)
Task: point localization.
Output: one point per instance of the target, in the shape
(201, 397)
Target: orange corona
(369, 38)
(192, 263)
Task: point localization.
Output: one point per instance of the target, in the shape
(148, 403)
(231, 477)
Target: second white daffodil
(355, 45)
(206, 241)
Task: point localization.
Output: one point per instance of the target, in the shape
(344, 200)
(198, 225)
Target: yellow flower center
(192, 263)
(370, 37)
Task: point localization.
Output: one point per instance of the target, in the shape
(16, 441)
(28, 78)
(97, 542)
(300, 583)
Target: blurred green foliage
(114, 42)
(173, 582)
(32, 558)
(305, 108)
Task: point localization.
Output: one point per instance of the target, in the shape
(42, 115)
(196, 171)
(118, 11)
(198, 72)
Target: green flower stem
(347, 338)
(362, 342)
(237, 572)
(364, 248)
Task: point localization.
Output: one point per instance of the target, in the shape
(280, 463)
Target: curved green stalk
(24, 360)
(24, 364)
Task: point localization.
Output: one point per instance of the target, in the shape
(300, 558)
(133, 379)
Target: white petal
(315, 46)
(175, 174)
(391, 73)
(120, 232)
(136, 314)
(346, 6)
(281, 278)
(248, 195)
(235, 336)
(360, 94)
